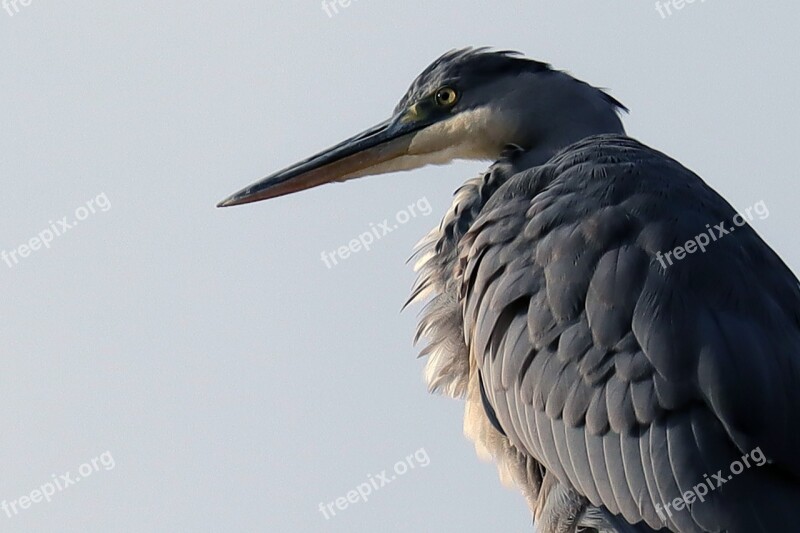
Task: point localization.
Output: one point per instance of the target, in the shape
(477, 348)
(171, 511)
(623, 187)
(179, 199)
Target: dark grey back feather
(626, 380)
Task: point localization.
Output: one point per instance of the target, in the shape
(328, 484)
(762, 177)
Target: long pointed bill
(362, 155)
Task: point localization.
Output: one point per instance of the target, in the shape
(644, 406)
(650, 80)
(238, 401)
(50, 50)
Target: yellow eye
(446, 97)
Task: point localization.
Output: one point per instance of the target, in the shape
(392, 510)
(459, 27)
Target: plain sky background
(235, 379)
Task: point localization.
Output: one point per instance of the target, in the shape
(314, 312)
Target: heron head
(468, 104)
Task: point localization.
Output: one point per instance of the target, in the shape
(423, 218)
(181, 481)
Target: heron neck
(545, 151)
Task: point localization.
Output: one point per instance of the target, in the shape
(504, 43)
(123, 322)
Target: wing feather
(627, 378)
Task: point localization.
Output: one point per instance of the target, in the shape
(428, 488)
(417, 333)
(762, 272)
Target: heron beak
(370, 152)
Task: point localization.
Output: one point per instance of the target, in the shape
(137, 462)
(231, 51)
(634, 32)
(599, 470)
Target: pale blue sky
(235, 379)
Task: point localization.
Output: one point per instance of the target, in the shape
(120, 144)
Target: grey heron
(614, 390)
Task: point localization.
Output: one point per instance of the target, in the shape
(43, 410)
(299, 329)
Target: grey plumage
(604, 383)
(593, 356)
